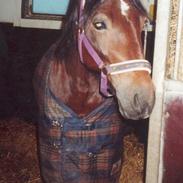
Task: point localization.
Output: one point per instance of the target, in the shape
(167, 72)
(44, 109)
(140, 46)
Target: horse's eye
(100, 25)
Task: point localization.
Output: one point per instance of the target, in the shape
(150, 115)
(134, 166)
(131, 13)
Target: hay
(18, 152)
(133, 166)
(19, 162)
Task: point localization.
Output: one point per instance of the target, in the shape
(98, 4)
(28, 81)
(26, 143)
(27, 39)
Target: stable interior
(20, 51)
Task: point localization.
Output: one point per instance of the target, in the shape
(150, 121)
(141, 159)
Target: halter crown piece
(112, 69)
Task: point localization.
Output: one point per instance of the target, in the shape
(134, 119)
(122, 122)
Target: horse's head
(114, 30)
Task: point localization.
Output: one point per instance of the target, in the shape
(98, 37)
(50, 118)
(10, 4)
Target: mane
(68, 37)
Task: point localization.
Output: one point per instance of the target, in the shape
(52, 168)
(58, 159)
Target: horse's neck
(75, 85)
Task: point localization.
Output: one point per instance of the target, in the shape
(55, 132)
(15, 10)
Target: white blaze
(124, 8)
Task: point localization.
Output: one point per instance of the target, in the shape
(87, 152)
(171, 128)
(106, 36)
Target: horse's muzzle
(136, 97)
(138, 109)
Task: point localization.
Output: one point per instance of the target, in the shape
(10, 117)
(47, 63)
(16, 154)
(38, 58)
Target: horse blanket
(74, 149)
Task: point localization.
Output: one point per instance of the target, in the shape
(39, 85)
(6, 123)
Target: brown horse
(100, 52)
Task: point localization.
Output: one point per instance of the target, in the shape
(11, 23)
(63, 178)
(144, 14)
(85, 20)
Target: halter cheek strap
(82, 40)
(111, 69)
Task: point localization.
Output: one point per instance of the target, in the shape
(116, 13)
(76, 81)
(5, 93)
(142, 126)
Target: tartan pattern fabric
(74, 149)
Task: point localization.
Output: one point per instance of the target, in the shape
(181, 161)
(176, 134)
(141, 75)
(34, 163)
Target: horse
(87, 83)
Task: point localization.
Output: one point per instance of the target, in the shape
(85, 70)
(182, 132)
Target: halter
(112, 69)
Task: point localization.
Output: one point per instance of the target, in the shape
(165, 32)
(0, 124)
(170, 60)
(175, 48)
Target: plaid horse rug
(74, 149)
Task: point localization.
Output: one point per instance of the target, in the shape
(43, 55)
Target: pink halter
(112, 69)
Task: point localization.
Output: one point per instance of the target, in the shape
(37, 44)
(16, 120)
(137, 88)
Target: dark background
(20, 51)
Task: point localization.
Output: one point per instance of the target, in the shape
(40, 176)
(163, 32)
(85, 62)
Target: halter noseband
(112, 69)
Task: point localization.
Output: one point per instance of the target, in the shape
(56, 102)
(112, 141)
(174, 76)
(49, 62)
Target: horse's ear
(143, 6)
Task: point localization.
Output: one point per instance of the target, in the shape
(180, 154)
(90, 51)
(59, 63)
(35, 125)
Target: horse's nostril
(136, 100)
(139, 106)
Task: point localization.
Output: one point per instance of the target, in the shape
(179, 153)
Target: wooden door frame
(159, 66)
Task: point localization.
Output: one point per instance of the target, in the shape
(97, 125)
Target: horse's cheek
(100, 41)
